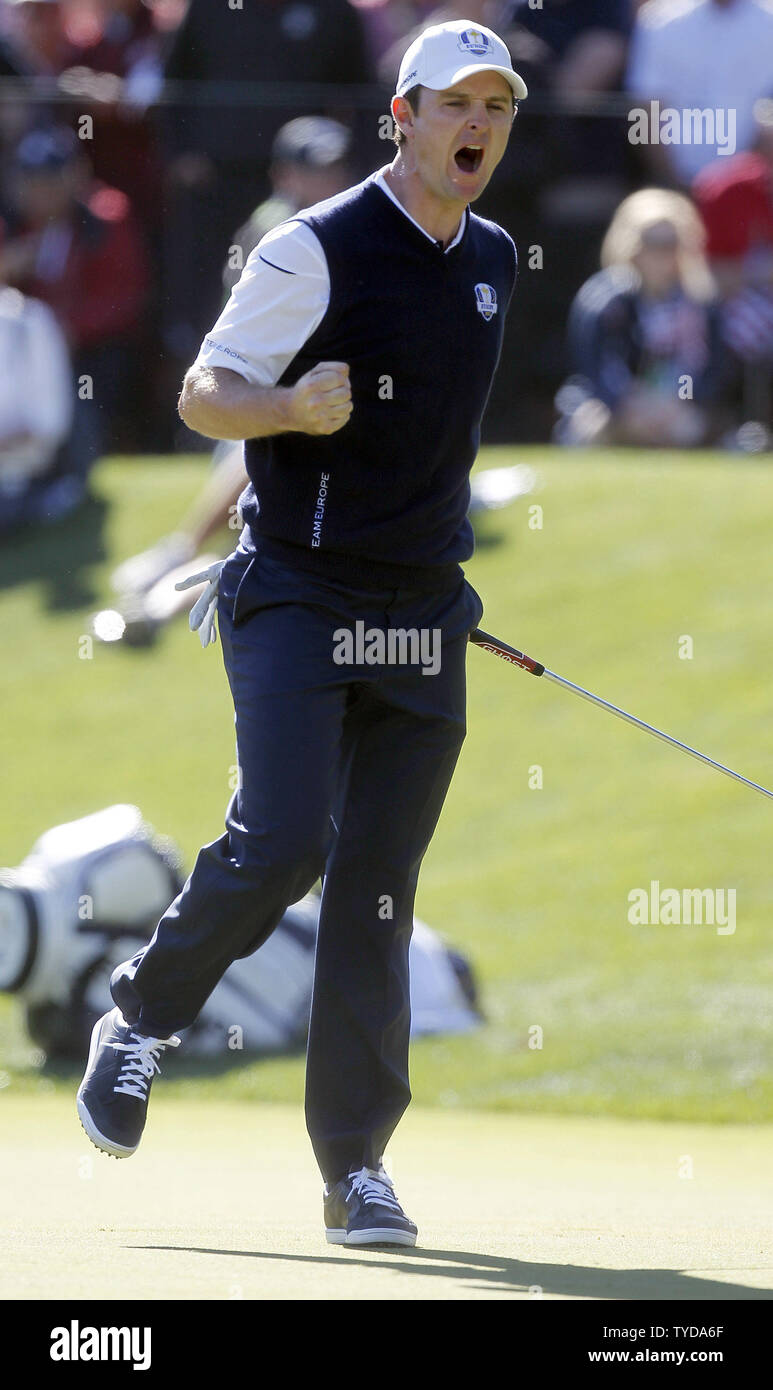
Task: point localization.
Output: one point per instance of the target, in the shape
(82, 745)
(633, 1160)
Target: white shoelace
(141, 1063)
(374, 1187)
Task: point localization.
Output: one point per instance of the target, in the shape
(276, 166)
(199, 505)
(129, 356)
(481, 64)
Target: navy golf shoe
(113, 1095)
(362, 1209)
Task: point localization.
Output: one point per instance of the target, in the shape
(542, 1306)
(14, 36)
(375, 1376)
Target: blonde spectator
(643, 335)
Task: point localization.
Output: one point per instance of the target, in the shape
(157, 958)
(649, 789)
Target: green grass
(635, 552)
(230, 1209)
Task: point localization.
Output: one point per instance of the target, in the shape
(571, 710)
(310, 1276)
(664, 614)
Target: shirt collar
(378, 178)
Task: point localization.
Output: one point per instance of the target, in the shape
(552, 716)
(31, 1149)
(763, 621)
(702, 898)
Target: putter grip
(506, 652)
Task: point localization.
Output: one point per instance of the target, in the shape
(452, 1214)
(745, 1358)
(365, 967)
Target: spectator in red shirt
(73, 243)
(114, 74)
(735, 198)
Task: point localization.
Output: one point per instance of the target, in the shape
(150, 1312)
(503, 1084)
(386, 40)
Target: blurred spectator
(735, 197)
(219, 132)
(35, 414)
(12, 63)
(643, 336)
(114, 74)
(585, 44)
(713, 57)
(14, 107)
(586, 40)
(73, 243)
(36, 45)
(309, 162)
(387, 22)
(37, 30)
(403, 22)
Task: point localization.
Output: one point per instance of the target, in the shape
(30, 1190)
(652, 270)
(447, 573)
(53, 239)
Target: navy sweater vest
(384, 500)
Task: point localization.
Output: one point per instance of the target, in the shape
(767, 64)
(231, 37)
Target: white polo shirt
(280, 299)
(36, 394)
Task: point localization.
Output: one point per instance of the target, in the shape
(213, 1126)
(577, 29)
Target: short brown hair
(412, 97)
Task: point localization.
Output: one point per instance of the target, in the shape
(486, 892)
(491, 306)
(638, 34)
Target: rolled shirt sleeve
(275, 306)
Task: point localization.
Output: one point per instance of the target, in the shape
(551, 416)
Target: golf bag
(90, 893)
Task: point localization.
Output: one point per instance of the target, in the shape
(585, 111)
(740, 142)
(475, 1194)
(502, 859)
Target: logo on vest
(473, 41)
(486, 300)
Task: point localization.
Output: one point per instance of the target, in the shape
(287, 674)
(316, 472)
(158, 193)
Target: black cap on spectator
(314, 141)
(41, 151)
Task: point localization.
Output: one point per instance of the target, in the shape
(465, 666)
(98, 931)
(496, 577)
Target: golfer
(354, 358)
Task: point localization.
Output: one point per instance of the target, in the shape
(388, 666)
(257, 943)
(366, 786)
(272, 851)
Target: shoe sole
(376, 1235)
(99, 1140)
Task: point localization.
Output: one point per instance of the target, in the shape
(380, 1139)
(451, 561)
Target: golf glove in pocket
(202, 616)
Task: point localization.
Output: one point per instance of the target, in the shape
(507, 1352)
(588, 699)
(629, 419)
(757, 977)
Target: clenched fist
(321, 401)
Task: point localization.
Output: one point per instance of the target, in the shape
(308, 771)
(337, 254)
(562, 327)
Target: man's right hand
(321, 401)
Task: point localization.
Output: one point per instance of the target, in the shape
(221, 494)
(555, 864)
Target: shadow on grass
(499, 1274)
(58, 557)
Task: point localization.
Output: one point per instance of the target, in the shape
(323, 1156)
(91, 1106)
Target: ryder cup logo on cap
(445, 54)
(474, 41)
(486, 300)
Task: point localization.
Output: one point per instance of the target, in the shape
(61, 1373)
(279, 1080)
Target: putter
(535, 668)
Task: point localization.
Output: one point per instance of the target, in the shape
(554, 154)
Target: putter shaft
(535, 668)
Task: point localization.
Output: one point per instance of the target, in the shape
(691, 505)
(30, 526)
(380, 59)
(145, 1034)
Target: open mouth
(469, 158)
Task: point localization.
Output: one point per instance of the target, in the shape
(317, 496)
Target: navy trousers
(343, 774)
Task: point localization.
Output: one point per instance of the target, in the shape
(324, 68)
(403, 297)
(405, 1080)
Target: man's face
(458, 136)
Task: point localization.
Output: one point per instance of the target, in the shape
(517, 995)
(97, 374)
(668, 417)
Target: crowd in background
(137, 137)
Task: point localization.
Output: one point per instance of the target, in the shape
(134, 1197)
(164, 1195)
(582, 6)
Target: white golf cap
(447, 53)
